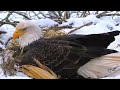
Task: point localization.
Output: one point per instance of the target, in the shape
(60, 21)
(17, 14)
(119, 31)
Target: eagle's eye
(24, 29)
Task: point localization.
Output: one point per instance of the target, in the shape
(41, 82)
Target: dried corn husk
(36, 72)
(44, 67)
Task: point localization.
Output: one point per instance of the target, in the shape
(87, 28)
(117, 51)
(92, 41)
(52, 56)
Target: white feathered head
(26, 32)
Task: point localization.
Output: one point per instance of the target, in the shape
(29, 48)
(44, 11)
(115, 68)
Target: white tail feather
(107, 65)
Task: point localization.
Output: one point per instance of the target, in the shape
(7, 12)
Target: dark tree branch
(36, 15)
(25, 16)
(8, 22)
(1, 42)
(3, 32)
(7, 17)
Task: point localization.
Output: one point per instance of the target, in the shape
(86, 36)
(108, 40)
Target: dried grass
(48, 33)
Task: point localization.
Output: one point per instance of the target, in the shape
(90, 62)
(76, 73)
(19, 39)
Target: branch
(83, 14)
(80, 27)
(8, 41)
(105, 14)
(25, 16)
(36, 15)
(42, 14)
(1, 42)
(3, 32)
(8, 22)
(6, 18)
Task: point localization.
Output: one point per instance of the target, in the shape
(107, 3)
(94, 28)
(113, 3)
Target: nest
(52, 32)
(7, 62)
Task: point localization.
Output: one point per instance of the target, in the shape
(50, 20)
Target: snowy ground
(99, 25)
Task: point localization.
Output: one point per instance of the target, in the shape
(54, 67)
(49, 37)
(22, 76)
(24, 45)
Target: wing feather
(101, 67)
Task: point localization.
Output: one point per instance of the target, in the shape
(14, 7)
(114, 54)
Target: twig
(39, 64)
(36, 15)
(3, 64)
(6, 19)
(1, 42)
(42, 14)
(7, 66)
(3, 32)
(9, 14)
(101, 15)
(45, 67)
(98, 16)
(80, 27)
(83, 14)
(8, 22)
(25, 16)
(8, 41)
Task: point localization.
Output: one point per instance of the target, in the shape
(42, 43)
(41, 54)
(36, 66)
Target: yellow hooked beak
(17, 34)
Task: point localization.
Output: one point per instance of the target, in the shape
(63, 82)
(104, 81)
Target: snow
(4, 37)
(92, 29)
(19, 75)
(66, 30)
(77, 22)
(15, 77)
(3, 15)
(117, 19)
(99, 25)
(46, 22)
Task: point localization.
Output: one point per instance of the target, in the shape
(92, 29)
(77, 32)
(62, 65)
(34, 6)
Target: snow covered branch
(80, 27)
(105, 13)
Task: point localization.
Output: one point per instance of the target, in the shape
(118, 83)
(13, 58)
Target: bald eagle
(63, 54)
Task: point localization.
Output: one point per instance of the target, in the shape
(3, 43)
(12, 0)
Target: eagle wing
(107, 65)
(99, 40)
